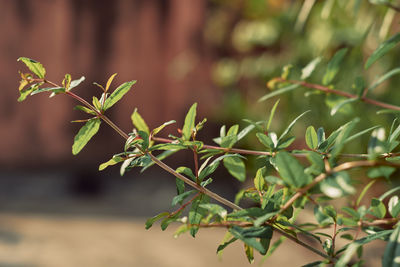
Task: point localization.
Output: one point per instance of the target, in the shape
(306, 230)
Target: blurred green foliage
(252, 40)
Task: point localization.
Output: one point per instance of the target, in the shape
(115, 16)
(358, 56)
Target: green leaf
(244, 132)
(96, 103)
(186, 171)
(235, 167)
(279, 92)
(271, 114)
(284, 143)
(152, 220)
(377, 208)
(205, 171)
(259, 181)
(249, 236)
(266, 140)
(334, 66)
(287, 130)
(391, 256)
(352, 212)
(351, 249)
(341, 138)
(377, 143)
(34, 66)
(66, 81)
(179, 198)
(309, 69)
(394, 206)
(118, 94)
(159, 128)
(384, 78)
(196, 213)
(27, 91)
(322, 218)
(56, 90)
(114, 160)
(189, 124)
(311, 138)
(338, 106)
(382, 49)
(364, 191)
(225, 244)
(85, 109)
(228, 141)
(85, 134)
(139, 122)
(291, 171)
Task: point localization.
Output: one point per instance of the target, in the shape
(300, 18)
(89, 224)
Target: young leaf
(159, 128)
(311, 137)
(382, 49)
(179, 198)
(196, 213)
(114, 160)
(109, 82)
(34, 66)
(271, 115)
(249, 236)
(85, 109)
(96, 103)
(259, 181)
(334, 66)
(27, 91)
(55, 90)
(360, 197)
(118, 94)
(337, 185)
(235, 167)
(67, 81)
(394, 206)
(85, 134)
(139, 122)
(291, 171)
(377, 208)
(189, 124)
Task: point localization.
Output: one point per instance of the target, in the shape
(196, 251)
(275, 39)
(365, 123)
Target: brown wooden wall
(157, 42)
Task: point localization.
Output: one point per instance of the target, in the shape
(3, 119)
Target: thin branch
(325, 89)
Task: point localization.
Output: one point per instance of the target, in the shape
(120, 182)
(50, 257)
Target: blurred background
(58, 210)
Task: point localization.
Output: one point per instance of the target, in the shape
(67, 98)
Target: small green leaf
(334, 66)
(27, 91)
(159, 128)
(215, 209)
(118, 94)
(377, 208)
(309, 69)
(85, 109)
(311, 138)
(179, 198)
(382, 49)
(265, 140)
(259, 181)
(67, 81)
(279, 92)
(364, 191)
(55, 90)
(139, 122)
(223, 245)
(291, 171)
(114, 160)
(391, 256)
(271, 114)
(228, 141)
(189, 124)
(287, 130)
(186, 171)
(351, 249)
(96, 103)
(85, 134)
(34, 66)
(196, 213)
(235, 167)
(381, 171)
(322, 218)
(249, 236)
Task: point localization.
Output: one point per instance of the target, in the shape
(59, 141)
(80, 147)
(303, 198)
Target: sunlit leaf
(311, 137)
(189, 124)
(118, 94)
(391, 256)
(139, 122)
(85, 134)
(235, 167)
(34, 66)
(334, 66)
(291, 171)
